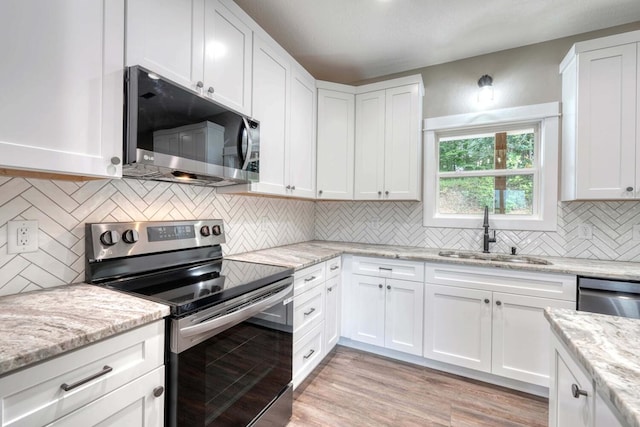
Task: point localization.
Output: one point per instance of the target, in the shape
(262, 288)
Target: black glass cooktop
(192, 288)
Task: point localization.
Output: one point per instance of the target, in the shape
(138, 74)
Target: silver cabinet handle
(293, 187)
(210, 90)
(105, 370)
(486, 301)
(310, 279)
(386, 193)
(157, 392)
(200, 85)
(115, 160)
(308, 355)
(380, 285)
(288, 187)
(385, 268)
(335, 267)
(310, 311)
(389, 287)
(330, 289)
(629, 188)
(379, 193)
(577, 392)
(498, 302)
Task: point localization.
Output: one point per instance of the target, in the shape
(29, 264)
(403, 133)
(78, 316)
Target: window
(504, 159)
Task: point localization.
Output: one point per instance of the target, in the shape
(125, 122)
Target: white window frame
(545, 199)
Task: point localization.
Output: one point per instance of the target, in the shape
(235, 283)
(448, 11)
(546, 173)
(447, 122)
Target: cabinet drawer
(308, 277)
(132, 405)
(546, 285)
(308, 310)
(334, 267)
(34, 395)
(393, 269)
(307, 354)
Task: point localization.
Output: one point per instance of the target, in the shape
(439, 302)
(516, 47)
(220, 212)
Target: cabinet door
(565, 410)
(227, 57)
(166, 36)
(457, 326)
(336, 127)
(402, 143)
(369, 154)
(521, 337)
(367, 305)
(271, 75)
(132, 405)
(333, 291)
(403, 316)
(606, 123)
(61, 84)
(301, 151)
(604, 415)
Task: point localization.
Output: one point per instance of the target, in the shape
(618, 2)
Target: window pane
(499, 150)
(510, 195)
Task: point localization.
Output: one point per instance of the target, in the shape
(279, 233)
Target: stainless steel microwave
(176, 134)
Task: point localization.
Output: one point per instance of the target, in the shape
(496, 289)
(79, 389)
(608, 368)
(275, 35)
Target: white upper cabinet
(200, 44)
(600, 96)
(271, 76)
(61, 86)
(336, 128)
(388, 140)
(227, 57)
(301, 153)
(163, 36)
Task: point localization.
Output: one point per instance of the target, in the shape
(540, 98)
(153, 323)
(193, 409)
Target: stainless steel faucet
(486, 239)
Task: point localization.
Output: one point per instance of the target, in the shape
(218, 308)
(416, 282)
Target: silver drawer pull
(575, 390)
(310, 279)
(330, 289)
(310, 311)
(105, 370)
(385, 269)
(335, 267)
(306, 356)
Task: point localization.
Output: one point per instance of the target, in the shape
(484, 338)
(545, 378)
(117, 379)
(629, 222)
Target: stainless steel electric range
(229, 335)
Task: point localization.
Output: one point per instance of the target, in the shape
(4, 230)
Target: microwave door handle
(235, 317)
(247, 156)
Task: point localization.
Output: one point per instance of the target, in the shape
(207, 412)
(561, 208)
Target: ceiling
(351, 40)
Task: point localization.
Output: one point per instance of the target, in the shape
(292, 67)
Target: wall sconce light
(485, 93)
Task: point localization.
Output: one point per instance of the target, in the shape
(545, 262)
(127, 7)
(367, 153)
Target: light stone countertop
(301, 255)
(608, 347)
(41, 324)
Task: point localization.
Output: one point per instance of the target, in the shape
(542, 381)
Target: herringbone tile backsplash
(62, 207)
(400, 223)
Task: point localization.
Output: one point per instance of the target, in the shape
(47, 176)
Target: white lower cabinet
(574, 400)
(116, 381)
(385, 311)
(493, 321)
(316, 315)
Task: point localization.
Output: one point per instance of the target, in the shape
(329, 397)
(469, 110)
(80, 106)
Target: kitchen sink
(479, 256)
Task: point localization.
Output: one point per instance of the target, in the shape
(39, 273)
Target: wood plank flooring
(355, 388)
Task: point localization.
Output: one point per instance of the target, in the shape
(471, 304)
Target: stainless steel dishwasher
(615, 297)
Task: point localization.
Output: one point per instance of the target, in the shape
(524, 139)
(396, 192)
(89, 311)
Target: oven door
(240, 375)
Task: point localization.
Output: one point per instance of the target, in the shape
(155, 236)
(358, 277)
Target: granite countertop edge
(39, 325)
(601, 346)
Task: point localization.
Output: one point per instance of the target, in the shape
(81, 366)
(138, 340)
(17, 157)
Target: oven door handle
(235, 317)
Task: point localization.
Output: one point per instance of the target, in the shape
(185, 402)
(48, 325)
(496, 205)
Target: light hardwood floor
(354, 388)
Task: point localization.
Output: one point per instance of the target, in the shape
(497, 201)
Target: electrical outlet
(585, 231)
(636, 233)
(264, 223)
(374, 223)
(22, 236)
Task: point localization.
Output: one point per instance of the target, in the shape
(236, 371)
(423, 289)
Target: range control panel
(122, 239)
